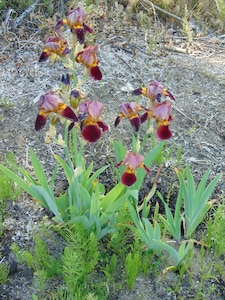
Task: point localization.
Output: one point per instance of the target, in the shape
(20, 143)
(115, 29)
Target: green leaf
(46, 200)
(94, 176)
(38, 169)
(112, 196)
(21, 183)
(69, 172)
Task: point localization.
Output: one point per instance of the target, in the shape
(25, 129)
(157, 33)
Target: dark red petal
(170, 95)
(80, 35)
(163, 132)
(137, 92)
(128, 178)
(147, 170)
(68, 114)
(44, 56)
(59, 24)
(87, 28)
(91, 133)
(118, 119)
(95, 73)
(135, 122)
(103, 126)
(71, 126)
(143, 117)
(40, 122)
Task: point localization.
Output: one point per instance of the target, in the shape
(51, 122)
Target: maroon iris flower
(154, 90)
(55, 47)
(90, 121)
(51, 102)
(89, 58)
(132, 161)
(130, 111)
(162, 114)
(76, 21)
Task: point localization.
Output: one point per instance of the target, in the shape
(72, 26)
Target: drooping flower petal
(44, 56)
(68, 113)
(95, 73)
(128, 178)
(163, 132)
(135, 122)
(103, 126)
(91, 133)
(117, 121)
(40, 121)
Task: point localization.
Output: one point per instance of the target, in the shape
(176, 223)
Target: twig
(129, 67)
(156, 7)
(26, 12)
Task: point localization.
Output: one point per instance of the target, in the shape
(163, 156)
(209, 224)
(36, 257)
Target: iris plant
(90, 122)
(160, 110)
(76, 21)
(89, 58)
(55, 47)
(51, 102)
(132, 161)
(131, 110)
(154, 91)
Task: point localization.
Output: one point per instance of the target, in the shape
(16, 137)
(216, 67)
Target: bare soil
(196, 79)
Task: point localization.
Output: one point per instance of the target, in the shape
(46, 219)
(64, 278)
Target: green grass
(8, 189)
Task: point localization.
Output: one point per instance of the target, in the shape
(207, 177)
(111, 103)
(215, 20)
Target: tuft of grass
(4, 272)
(8, 189)
(216, 229)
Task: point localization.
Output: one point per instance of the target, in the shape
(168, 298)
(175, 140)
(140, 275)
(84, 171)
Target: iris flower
(132, 161)
(51, 102)
(76, 21)
(154, 90)
(90, 121)
(55, 47)
(89, 58)
(130, 110)
(162, 114)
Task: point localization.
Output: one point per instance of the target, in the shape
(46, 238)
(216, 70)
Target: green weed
(216, 229)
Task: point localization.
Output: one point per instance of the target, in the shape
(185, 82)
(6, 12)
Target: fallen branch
(156, 7)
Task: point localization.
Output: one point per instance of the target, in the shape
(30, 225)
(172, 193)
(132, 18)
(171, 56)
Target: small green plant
(215, 230)
(8, 189)
(4, 271)
(132, 267)
(4, 102)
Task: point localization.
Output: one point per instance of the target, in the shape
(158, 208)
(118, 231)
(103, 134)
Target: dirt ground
(129, 58)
